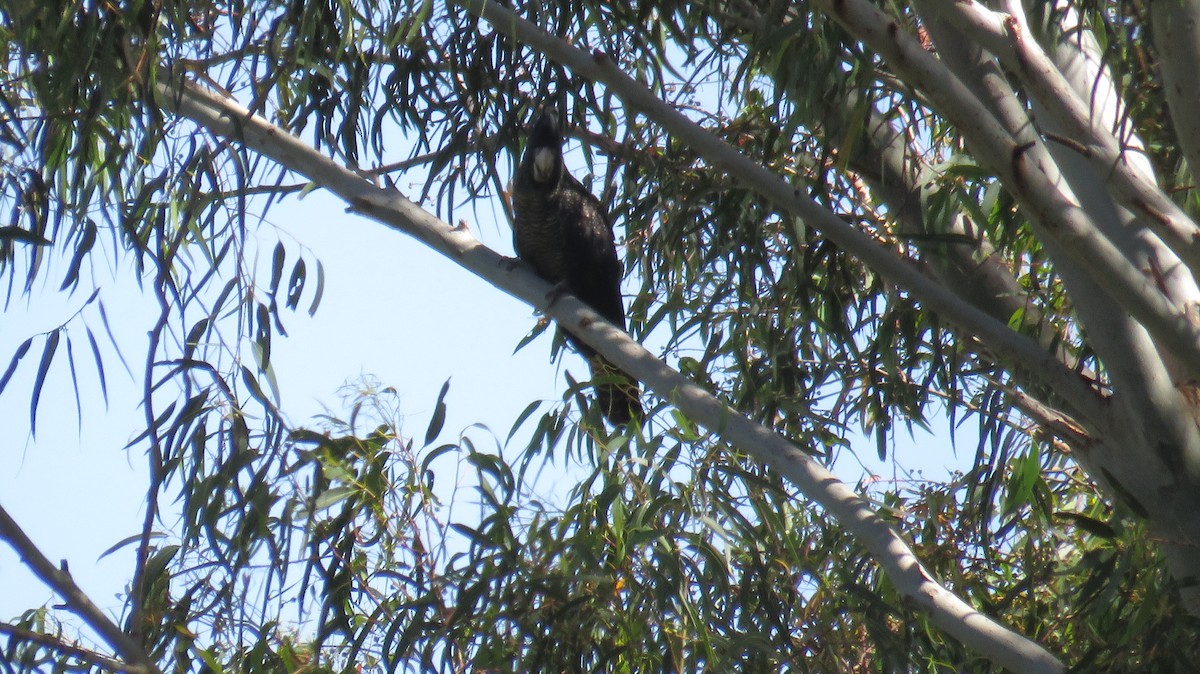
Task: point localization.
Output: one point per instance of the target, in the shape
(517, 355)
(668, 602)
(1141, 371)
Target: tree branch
(1031, 174)
(79, 652)
(232, 121)
(1141, 378)
(1008, 37)
(959, 253)
(61, 582)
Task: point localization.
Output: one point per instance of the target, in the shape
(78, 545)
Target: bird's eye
(544, 161)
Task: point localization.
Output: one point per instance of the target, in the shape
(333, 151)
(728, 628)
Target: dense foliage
(330, 546)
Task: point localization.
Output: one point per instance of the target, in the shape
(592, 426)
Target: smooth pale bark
(1111, 152)
(1175, 27)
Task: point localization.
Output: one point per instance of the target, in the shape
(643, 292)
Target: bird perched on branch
(562, 230)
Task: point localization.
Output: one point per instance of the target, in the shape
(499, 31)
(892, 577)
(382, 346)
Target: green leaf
(12, 364)
(112, 340)
(15, 233)
(316, 301)
(128, 540)
(43, 370)
(256, 391)
(81, 251)
(537, 330)
(99, 366)
(210, 659)
(522, 418)
(417, 22)
(333, 496)
(439, 415)
(1089, 524)
(1026, 470)
(75, 384)
(278, 257)
(296, 284)
(193, 337)
(262, 334)
(157, 564)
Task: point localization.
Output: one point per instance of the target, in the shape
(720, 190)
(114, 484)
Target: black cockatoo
(562, 230)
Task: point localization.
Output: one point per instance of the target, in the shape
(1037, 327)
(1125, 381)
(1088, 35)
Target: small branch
(56, 643)
(61, 582)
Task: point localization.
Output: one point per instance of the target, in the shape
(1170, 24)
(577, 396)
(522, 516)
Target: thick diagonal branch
(56, 643)
(232, 121)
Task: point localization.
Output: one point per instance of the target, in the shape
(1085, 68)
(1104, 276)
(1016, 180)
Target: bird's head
(545, 146)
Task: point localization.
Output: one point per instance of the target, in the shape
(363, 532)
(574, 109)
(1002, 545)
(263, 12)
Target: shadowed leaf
(439, 415)
(40, 380)
(12, 364)
(296, 284)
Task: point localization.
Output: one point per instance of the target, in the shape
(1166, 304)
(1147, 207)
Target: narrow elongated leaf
(99, 366)
(81, 251)
(255, 390)
(439, 415)
(274, 309)
(209, 656)
(1089, 524)
(333, 496)
(128, 540)
(296, 284)
(533, 334)
(43, 369)
(75, 384)
(157, 423)
(316, 301)
(12, 364)
(113, 340)
(156, 565)
(522, 417)
(262, 334)
(193, 337)
(15, 233)
(193, 407)
(277, 260)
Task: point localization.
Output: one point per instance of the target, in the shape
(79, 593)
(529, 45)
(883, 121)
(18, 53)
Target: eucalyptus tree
(835, 216)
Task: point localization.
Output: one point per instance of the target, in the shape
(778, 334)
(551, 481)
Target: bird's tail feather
(618, 395)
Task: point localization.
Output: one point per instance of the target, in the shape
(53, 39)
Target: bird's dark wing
(593, 272)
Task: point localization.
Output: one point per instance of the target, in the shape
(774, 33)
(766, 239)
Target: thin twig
(80, 604)
(57, 643)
